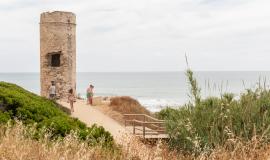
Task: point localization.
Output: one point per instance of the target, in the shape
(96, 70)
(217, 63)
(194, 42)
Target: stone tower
(58, 52)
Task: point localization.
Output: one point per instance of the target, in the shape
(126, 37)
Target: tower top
(58, 17)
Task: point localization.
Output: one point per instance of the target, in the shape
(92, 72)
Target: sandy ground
(90, 115)
(107, 110)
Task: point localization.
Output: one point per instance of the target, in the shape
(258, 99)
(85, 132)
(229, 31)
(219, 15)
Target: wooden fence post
(133, 127)
(143, 130)
(143, 118)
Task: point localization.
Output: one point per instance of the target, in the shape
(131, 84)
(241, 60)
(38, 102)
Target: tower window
(54, 59)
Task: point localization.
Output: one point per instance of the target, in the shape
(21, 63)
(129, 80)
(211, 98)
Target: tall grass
(206, 124)
(16, 143)
(195, 91)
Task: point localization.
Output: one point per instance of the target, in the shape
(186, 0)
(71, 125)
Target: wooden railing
(145, 124)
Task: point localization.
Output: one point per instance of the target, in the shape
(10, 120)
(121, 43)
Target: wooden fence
(145, 126)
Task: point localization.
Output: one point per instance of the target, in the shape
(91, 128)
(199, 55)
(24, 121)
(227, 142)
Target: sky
(144, 35)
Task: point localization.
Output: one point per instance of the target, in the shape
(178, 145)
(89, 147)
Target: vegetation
(18, 104)
(205, 124)
(222, 127)
(127, 105)
(16, 143)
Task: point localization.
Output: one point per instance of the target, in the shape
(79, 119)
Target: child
(71, 99)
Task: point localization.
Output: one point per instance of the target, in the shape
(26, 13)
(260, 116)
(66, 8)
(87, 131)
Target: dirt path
(90, 116)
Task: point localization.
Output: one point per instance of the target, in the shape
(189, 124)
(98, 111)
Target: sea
(154, 90)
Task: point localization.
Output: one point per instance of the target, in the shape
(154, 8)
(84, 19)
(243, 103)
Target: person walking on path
(52, 91)
(71, 99)
(90, 94)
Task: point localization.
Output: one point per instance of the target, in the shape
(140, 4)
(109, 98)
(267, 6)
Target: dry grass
(134, 148)
(16, 145)
(115, 107)
(127, 105)
(235, 149)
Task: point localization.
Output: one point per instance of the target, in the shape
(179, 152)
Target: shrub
(4, 117)
(33, 109)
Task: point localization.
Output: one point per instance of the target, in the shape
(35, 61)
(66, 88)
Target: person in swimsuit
(90, 94)
(71, 99)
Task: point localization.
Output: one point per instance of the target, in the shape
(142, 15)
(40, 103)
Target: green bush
(17, 103)
(211, 122)
(4, 117)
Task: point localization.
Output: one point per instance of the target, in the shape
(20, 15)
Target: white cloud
(143, 35)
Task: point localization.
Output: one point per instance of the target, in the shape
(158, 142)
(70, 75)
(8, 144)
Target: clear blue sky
(144, 35)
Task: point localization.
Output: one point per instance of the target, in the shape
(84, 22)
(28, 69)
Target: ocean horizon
(154, 90)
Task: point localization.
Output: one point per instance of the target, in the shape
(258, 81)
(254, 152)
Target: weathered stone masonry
(58, 52)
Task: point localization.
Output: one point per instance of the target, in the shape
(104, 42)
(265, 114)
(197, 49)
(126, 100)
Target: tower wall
(58, 52)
